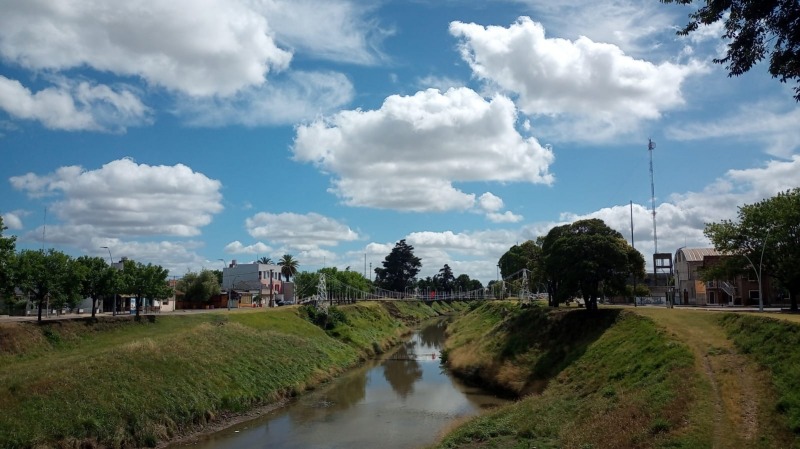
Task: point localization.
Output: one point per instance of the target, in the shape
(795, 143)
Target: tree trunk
(94, 307)
(41, 303)
(138, 302)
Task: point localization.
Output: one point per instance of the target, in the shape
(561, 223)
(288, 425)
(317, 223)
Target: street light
(114, 302)
(758, 272)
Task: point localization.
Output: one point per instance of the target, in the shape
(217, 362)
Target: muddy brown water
(404, 399)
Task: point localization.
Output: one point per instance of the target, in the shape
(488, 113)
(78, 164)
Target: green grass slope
(117, 383)
(609, 379)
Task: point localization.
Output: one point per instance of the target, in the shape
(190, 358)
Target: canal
(404, 399)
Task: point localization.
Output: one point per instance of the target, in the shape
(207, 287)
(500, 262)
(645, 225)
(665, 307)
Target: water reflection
(401, 401)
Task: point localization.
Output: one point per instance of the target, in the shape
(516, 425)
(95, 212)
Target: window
(753, 294)
(751, 276)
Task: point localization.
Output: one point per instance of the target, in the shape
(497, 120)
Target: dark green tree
(265, 260)
(589, 258)
(446, 279)
(145, 281)
(400, 268)
(288, 266)
(755, 29)
(97, 279)
(47, 277)
(7, 256)
(771, 226)
(199, 287)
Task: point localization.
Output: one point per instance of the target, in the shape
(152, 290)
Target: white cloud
(123, 198)
(13, 219)
(631, 24)
(336, 30)
(236, 247)
(599, 90)
(297, 97)
(504, 217)
(407, 154)
(490, 202)
(74, 106)
(304, 232)
(210, 47)
(765, 123)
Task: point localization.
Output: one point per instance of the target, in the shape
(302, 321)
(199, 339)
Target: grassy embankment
(117, 383)
(614, 379)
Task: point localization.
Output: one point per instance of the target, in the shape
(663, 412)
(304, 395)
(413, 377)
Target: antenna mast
(650, 147)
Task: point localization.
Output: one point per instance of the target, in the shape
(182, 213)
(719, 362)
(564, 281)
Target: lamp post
(758, 272)
(114, 301)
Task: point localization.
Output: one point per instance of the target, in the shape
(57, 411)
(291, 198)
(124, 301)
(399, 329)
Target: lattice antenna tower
(650, 147)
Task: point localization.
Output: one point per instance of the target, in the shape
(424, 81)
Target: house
(256, 279)
(690, 289)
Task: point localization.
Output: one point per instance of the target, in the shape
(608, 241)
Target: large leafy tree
(7, 255)
(97, 279)
(399, 269)
(145, 281)
(587, 257)
(288, 266)
(771, 226)
(755, 29)
(47, 276)
(199, 287)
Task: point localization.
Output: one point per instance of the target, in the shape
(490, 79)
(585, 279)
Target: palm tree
(265, 260)
(288, 266)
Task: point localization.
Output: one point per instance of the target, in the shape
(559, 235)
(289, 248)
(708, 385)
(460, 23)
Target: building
(690, 289)
(257, 279)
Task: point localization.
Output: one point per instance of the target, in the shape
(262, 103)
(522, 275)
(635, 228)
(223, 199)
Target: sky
(190, 133)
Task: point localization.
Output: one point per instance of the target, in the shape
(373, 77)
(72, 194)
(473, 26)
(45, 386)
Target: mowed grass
(613, 380)
(118, 383)
(775, 345)
(631, 378)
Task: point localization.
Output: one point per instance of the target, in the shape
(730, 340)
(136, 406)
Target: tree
(199, 287)
(46, 276)
(7, 256)
(587, 257)
(265, 260)
(400, 268)
(771, 226)
(145, 281)
(527, 256)
(96, 277)
(288, 266)
(751, 26)
(446, 278)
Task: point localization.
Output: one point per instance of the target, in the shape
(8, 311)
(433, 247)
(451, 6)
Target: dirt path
(736, 385)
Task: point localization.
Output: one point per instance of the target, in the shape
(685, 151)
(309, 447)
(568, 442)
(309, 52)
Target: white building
(257, 278)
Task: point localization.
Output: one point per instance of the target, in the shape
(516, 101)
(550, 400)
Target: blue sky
(185, 132)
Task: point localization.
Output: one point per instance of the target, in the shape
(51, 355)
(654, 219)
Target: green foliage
(47, 276)
(199, 287)
(400, 268)
(588, 258)
(7, 256)
(528, 256)
(326, 319)
(145, 281)
(97, 279)
(751, 27)
(770, 227)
